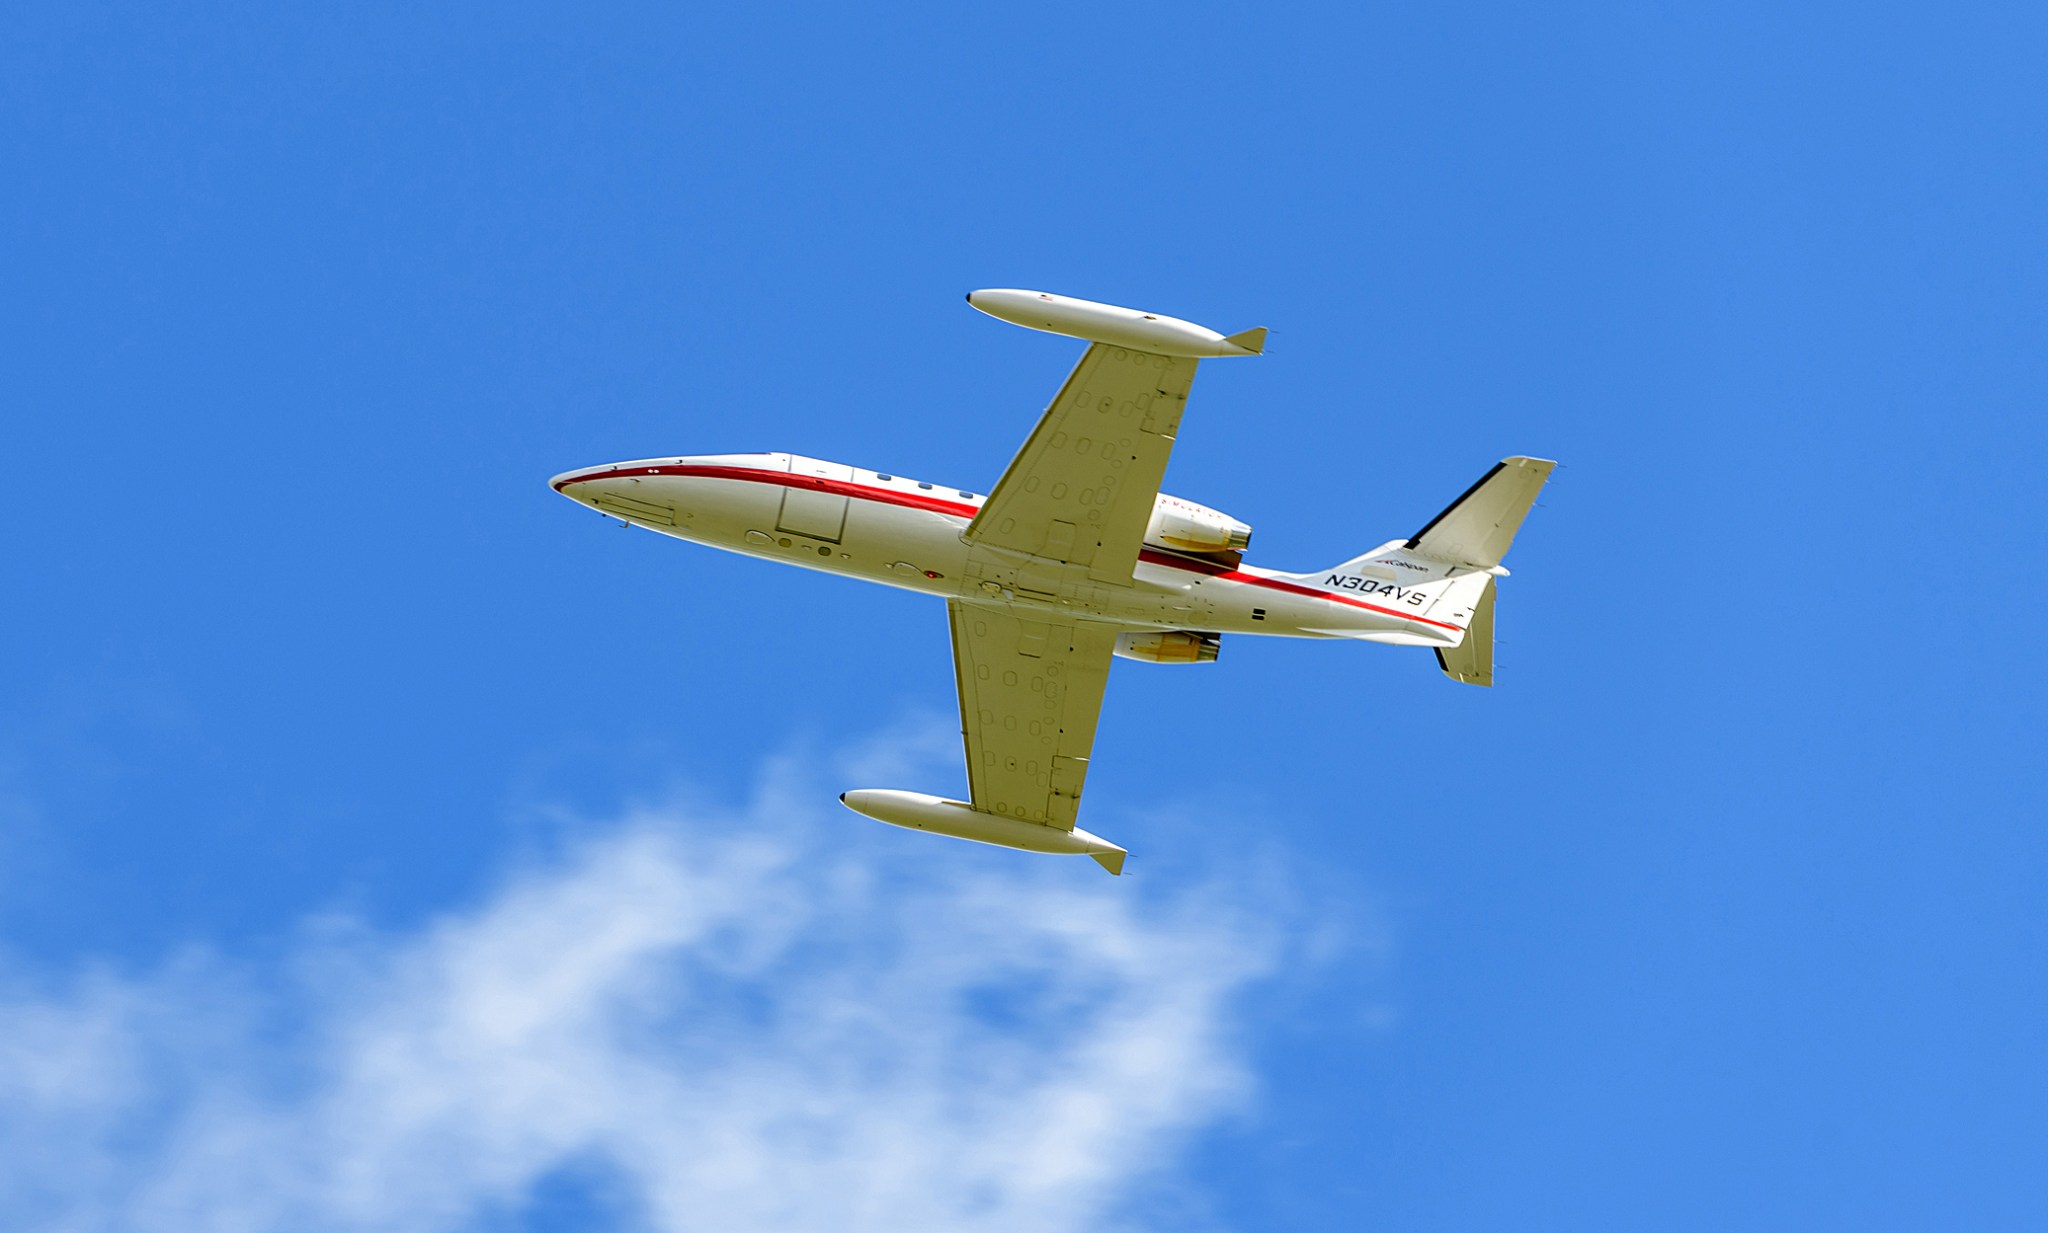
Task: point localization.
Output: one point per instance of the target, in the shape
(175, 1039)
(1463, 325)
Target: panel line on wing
(1082, 488)
(1030, 696)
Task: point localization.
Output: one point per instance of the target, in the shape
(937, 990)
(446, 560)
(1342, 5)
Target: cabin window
(926, 487)
(880, 476)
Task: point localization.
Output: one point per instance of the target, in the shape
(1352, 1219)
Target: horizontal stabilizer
(1479, 526)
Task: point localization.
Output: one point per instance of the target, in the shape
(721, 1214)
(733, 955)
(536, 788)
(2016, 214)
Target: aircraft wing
(1030, 693)
(1081, 490)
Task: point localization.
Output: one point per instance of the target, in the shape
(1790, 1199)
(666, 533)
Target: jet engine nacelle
(1177, 646)
(1196, 528)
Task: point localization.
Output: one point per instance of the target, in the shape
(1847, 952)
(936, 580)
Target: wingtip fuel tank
(1107, 323)
(919, 812)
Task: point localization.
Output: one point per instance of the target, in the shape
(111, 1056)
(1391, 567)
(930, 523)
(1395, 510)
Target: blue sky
(387, 842)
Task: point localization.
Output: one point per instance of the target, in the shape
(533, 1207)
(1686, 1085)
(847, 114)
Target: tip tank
(1106, 323)
(919, 812)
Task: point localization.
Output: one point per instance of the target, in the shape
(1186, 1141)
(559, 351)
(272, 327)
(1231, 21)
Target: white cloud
(730, 1022)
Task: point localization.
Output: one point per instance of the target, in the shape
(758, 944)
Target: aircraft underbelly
(923, 551)
(897, 547)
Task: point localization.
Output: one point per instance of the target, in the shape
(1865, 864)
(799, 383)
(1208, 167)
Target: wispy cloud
(726, 1020)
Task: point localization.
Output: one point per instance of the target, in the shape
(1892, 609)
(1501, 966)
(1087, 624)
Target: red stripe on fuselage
(1274, 584)
(960, 509)
(1152, 556)
(1174, 560)
(790, 479)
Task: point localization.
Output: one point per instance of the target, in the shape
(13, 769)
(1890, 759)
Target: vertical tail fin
(1448, 569)
(1477, 528)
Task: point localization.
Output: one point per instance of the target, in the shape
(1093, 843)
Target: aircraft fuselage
(905, 533)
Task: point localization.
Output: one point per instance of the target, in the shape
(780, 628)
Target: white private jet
(1074, 558)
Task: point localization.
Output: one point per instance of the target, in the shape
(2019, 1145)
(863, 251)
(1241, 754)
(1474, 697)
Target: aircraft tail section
(1446, 572)
(1477, 528)
(1476, 531)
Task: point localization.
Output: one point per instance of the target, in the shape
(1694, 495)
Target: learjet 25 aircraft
(1074, 558)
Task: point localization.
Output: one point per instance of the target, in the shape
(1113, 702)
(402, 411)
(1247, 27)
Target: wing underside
(1030, 694)
(1081, 490)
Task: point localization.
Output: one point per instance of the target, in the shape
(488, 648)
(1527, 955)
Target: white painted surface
(1079, 558)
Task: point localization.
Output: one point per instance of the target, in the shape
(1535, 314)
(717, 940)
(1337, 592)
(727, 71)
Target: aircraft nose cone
(580, 484)
(641, 493)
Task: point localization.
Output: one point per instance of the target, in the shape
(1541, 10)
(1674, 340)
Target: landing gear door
(813, 510)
